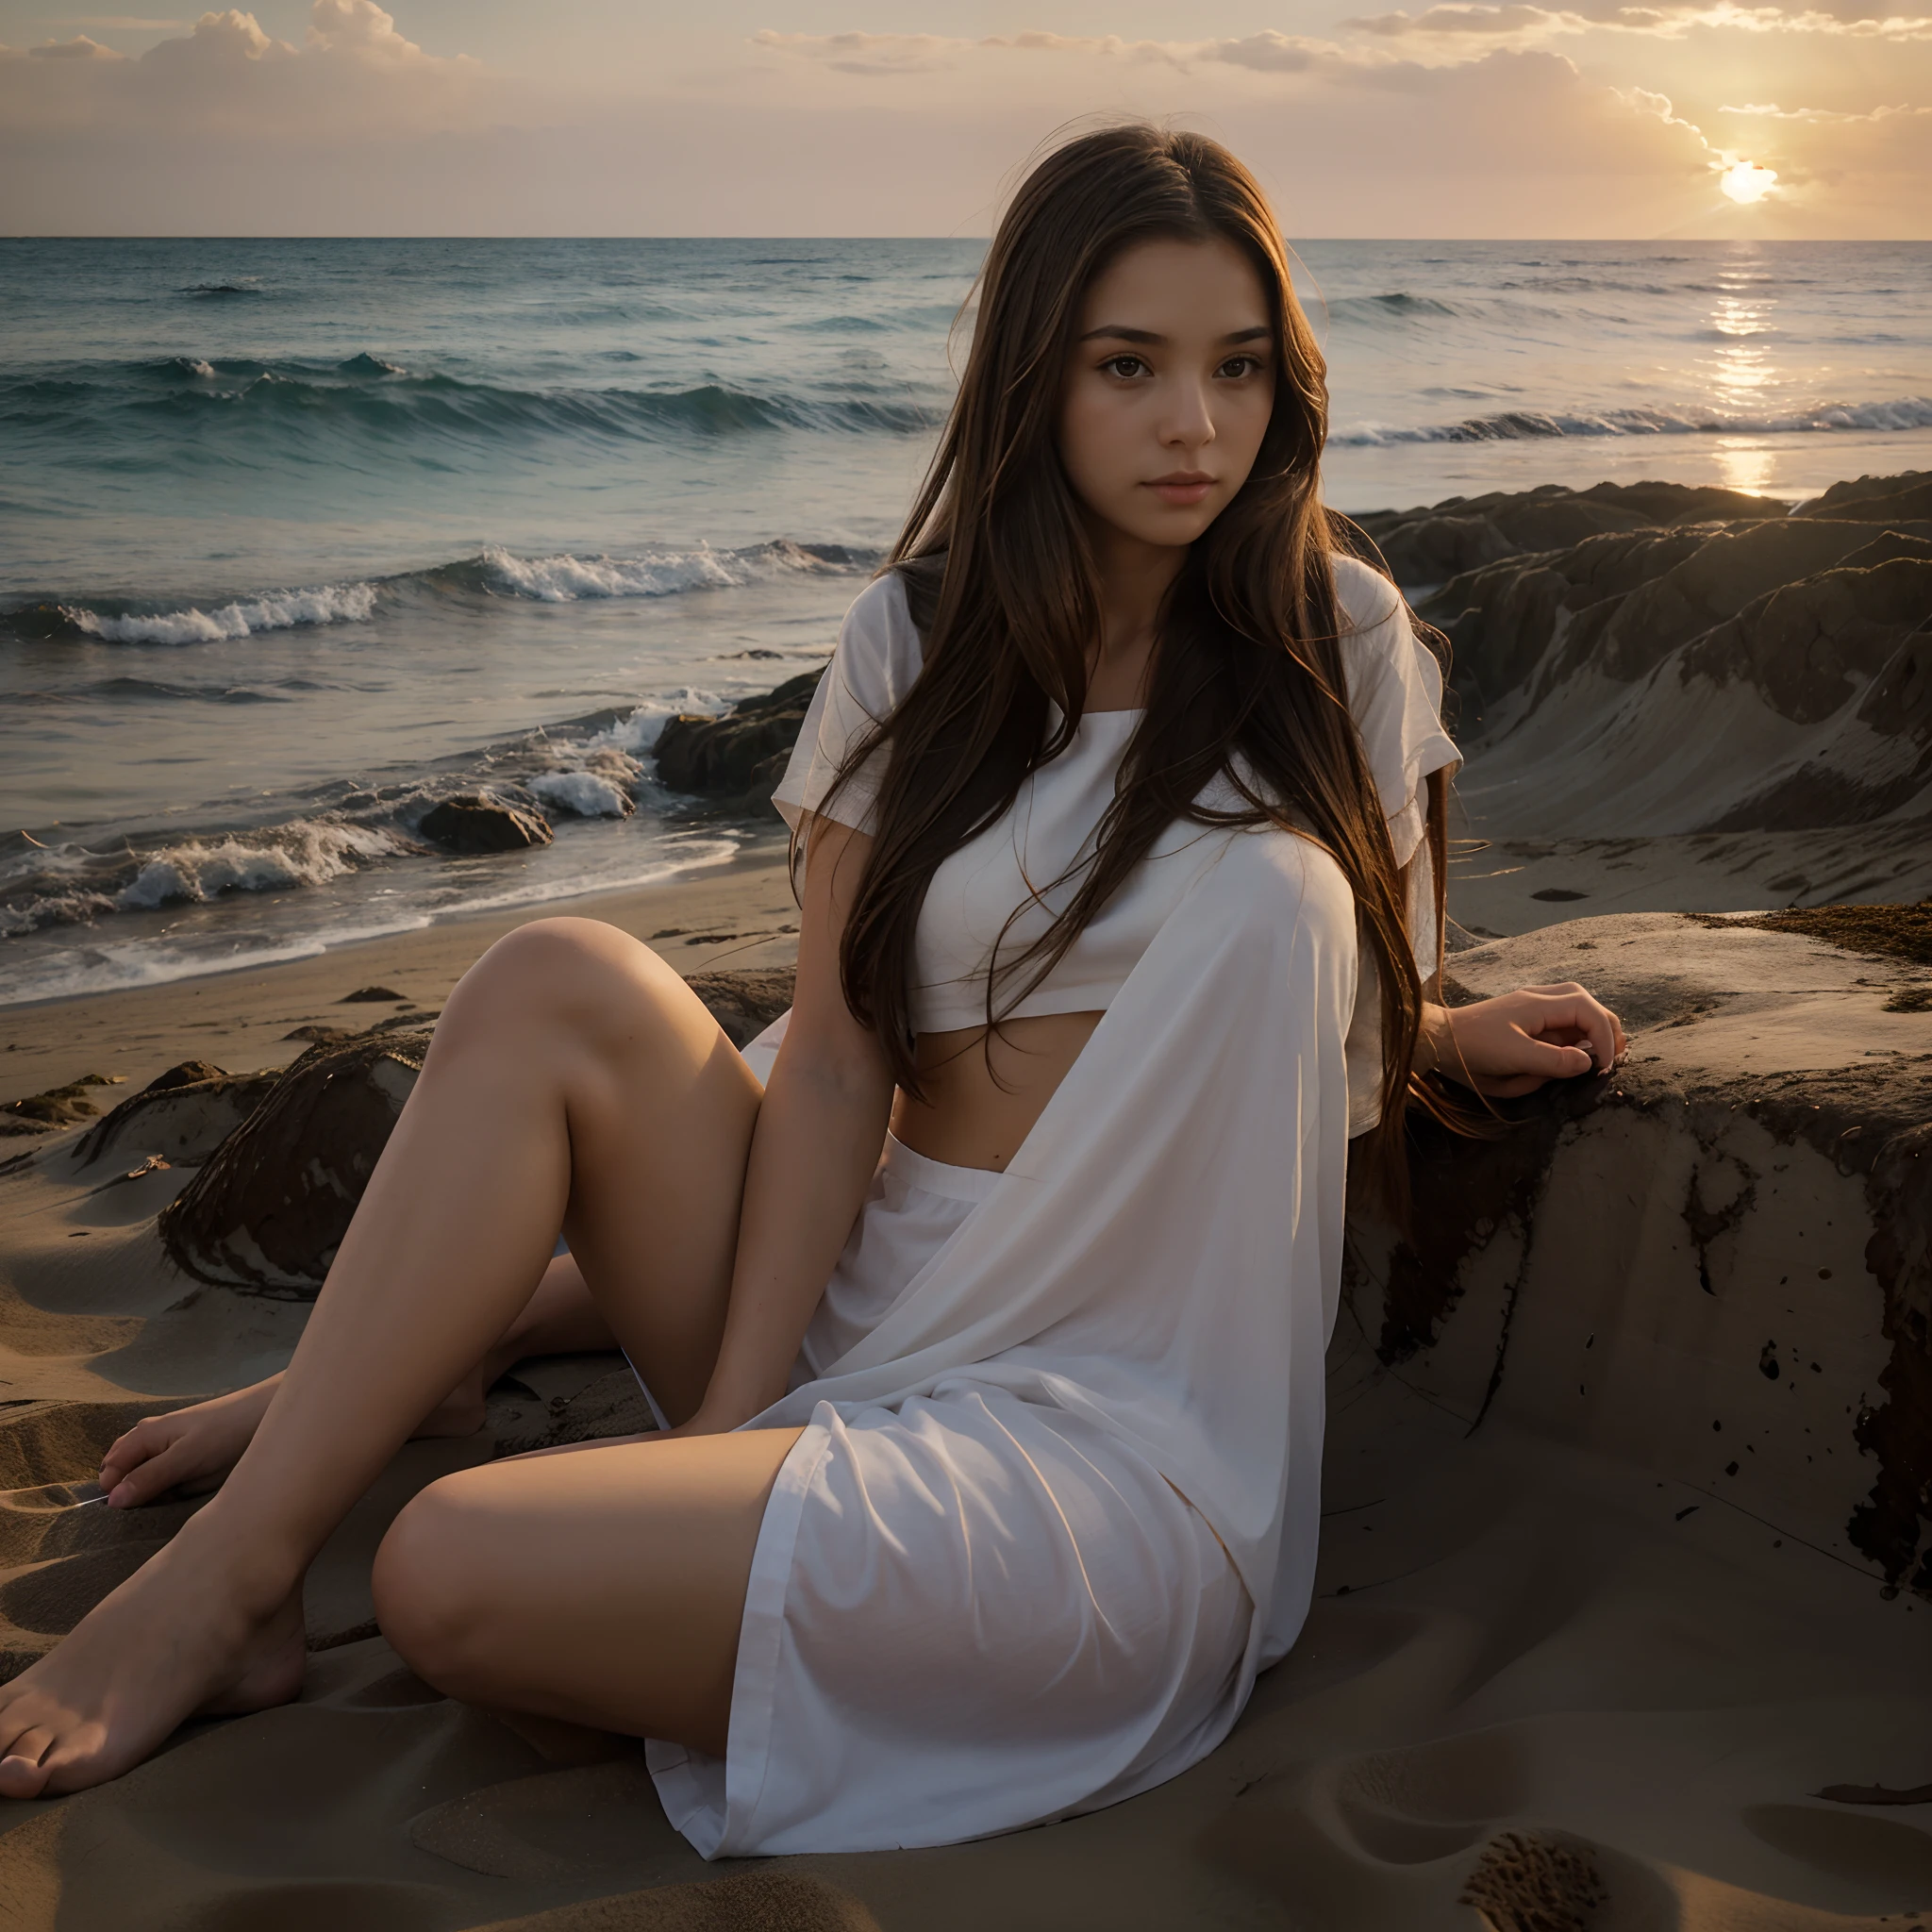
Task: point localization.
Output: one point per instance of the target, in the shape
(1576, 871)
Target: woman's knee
(432, 1586)
(578, 974)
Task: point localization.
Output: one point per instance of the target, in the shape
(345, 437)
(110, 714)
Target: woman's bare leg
(191, 1450)
(572, 1079)
(602, 1585)
(562, 1317)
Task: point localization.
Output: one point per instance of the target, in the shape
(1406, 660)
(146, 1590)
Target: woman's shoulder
(879, 651)
(1394, 683)
(1370, 604)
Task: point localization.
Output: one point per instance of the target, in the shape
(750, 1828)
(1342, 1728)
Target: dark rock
(371, 994)
(188, 1073)
(269, 1209)
(1720, 576)
(1875, 499)
(1430, 545)
(739, 755)
(1624, 603)
(60, 1107)
(476, 821)
(183, 1116)
(1475, 1300)
(744, 1004)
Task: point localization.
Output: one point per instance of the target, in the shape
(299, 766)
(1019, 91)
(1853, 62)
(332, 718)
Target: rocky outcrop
(1710, 677)
(1430, 545)
(479, 822)
(269, 1208)
(182, 1116)
(742, 754)
(1716, 1262)
(60, 1107)
(1881, 499)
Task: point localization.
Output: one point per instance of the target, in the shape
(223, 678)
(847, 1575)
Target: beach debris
(739, 755)
(182, 1115)
(1529, 1882)
(1875, 1794)
(269, 1208)
(58, 1106)
(370, 995)
(479, 821)
(316, 1034)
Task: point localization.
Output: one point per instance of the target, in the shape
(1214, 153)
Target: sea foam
(307, 851)
(1508, 425)
(276, 610)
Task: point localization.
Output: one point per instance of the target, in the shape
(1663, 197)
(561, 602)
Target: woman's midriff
(983, 1093)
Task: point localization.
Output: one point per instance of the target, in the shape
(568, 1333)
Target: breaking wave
(190, 624)
(1508, 425)
(70, 886)
(366, 394)
(654, 570)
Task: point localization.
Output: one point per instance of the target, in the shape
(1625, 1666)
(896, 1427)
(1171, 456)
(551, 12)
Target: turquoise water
(296, 537)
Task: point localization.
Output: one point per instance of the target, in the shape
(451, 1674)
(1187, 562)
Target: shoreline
(726, 915)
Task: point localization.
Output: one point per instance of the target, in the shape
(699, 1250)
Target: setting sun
(1746, 182)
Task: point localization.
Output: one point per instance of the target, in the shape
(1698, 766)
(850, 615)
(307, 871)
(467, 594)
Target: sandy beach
(1621, 1616)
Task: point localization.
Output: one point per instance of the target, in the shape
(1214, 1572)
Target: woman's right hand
(191, 1450)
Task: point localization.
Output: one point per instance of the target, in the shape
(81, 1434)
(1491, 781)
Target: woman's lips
(1183, 489)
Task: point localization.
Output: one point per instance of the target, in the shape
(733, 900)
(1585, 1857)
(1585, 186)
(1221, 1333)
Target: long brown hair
(1247, 678)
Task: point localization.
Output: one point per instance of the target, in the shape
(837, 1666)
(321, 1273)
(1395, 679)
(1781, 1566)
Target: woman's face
(1169, 388)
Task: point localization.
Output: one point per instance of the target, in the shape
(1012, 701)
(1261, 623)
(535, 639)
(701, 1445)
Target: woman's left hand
(1512, 1044)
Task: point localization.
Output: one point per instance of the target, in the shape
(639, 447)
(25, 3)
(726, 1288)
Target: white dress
(1056, 1495)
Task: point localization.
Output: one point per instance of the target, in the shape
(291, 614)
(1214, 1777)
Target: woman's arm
(819, 1129)
(1512, 1044)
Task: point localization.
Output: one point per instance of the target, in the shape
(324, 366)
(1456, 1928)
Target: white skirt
(967, 1614)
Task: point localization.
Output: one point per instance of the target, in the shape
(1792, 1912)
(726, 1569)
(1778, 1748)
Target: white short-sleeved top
(1006, 886)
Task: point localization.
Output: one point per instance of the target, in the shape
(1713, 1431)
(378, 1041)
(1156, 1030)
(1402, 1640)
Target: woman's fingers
(157, 1454)
(1547, 1059)
(127, 1452)
(1567, 1008)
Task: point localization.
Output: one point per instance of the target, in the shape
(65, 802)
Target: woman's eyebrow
(1119, 332)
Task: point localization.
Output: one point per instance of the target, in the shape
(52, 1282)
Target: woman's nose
(1190, 420)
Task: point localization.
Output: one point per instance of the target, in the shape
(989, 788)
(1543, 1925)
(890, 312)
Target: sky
(1468, 118)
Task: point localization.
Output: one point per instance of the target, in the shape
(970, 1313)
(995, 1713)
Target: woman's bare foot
(189, 1633)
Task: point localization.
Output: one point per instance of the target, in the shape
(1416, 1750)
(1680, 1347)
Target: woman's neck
(1134, 576)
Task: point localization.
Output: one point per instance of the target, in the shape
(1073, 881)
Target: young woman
(993, 1478)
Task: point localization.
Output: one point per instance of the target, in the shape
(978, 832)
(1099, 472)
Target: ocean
(299, 537)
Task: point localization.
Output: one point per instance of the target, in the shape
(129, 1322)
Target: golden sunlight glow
(1746, 182)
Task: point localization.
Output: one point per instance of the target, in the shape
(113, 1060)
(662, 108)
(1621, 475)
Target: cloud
(1522, 24)
(354, 74)
(889, 54)
(1458, 118)
(78, 48)
(1821, 117)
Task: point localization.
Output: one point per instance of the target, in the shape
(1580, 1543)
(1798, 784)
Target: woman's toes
(22, 1773)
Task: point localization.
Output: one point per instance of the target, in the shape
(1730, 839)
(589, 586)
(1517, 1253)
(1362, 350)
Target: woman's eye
(1123, 366)
(1241, 365)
